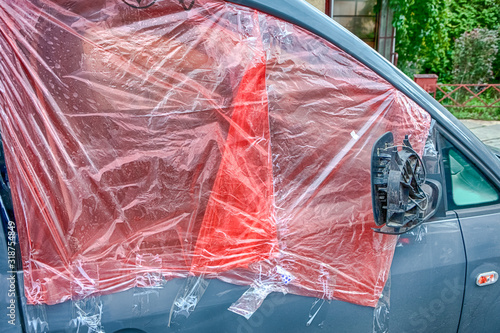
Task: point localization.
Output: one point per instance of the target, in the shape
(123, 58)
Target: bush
(427, 29)
(474, 55)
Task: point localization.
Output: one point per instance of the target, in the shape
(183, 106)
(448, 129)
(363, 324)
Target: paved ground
(487, 131)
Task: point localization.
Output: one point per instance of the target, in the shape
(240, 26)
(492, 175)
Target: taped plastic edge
(253, 298)
(149, 273)
(87, 312)
(188, 297)
(36, 319)
(382, 310)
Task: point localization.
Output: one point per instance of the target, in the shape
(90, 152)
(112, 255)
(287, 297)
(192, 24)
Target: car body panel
(427, 278)
(481, 233)
(278, 312)
(428, 272)
(9, 301)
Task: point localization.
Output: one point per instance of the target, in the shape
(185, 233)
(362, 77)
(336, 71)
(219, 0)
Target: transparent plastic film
(253, 298)
(188, 297)
(381, 312)
(315, 309)
(149, 280)
(150, 276)
(138, 155)
(192, 141)
(87, 315)
(322, 179)
(36, 319)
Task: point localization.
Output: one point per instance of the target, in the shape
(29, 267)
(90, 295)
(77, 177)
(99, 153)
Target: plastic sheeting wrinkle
(381, 312)
(187, 6)
(88, 313)
(142, 300)
(36, 318)
(312, 316)
(253, 298)
(188, 297)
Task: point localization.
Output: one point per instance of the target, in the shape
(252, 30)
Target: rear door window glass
(467, 186)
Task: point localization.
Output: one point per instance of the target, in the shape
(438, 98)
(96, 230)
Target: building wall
(360, 17)
(320, 4)
(386, 33)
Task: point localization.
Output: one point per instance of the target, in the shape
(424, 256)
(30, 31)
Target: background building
(370, 20)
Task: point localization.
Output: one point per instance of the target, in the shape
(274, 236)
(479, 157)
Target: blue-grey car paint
(10, 314)
(416, 295)
(427, 278)
(426, 291)
(481, 233)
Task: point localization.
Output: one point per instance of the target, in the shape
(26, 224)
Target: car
(232, 166)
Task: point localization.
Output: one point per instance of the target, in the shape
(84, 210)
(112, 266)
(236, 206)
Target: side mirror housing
(402, 198)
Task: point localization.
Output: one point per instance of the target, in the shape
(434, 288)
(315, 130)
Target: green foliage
(474, 55)
(426, 30)
(480, 102)
(471, 14)
(476, 113)
(422, 40)
(496, 63)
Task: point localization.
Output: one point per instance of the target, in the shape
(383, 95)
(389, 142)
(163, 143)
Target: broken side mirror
(402, 198)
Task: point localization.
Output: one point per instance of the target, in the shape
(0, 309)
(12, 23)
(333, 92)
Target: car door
(427, 278)
(423, 294)
(428, 269)
(476, 201)
(428, 272)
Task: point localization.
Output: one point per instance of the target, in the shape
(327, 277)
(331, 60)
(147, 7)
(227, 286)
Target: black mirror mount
(401, 197)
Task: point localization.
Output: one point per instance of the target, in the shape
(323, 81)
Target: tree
(422, 40)
(426, 31)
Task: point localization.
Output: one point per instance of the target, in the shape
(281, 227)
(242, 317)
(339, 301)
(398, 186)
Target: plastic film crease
(381, 312)
(149, 279)
(188, 297)
(253, 297)
(87, 315)
(36, 319)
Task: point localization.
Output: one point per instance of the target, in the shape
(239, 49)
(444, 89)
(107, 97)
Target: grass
(476, 113)
(480, 113)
